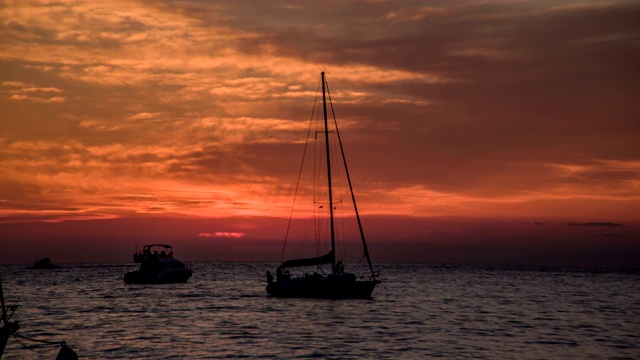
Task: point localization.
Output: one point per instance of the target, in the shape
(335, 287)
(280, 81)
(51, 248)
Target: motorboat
(45, 263)
(157, 266)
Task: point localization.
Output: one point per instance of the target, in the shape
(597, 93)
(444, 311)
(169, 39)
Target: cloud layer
(111, 109)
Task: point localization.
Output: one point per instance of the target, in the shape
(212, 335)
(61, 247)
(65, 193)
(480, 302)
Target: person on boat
(339, 267)
(282, 275)
(269, 277)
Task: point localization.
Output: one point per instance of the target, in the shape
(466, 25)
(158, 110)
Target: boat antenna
(353, 197)
(326, 141)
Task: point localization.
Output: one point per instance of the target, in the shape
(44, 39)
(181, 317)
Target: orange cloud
(19, 91)
(234, 235)
(120, 108)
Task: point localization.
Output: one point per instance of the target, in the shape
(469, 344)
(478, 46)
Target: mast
(326, 143)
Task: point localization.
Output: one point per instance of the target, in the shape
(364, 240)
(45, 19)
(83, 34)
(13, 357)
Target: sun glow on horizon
(223, 234)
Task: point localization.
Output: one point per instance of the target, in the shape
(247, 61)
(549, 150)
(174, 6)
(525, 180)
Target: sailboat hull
(323, 287)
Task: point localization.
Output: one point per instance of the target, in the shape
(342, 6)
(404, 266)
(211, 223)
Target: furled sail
(324, 259)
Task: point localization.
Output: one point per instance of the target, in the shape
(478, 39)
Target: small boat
(157, 266)
(45, 263)
(334, 283)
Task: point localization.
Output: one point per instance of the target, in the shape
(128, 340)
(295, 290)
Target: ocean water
(417, 312)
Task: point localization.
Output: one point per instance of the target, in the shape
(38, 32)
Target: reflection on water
(419, 311)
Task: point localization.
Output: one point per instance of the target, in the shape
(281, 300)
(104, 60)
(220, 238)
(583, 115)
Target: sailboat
(336, 283)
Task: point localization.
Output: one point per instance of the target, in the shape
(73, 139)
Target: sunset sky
(487, 119)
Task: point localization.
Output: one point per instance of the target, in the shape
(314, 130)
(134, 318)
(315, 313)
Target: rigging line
(295, 196)
(17, 338)
(40, 341)
(318, 215)
(338, 180)
(24, 346)
(346, 232)
(317, 169)
(353, 197)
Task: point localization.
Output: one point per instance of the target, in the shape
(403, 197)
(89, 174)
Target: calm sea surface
(418, 312)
